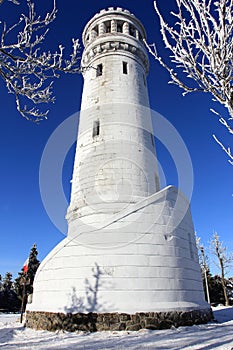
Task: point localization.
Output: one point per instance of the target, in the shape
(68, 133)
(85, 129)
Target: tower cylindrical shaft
(115, 155)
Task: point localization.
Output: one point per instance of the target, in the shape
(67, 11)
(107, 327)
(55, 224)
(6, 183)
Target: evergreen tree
(7, 282)
(216, 290)
(8, 298)
(33, 265)
(230, 289)
(0, 283)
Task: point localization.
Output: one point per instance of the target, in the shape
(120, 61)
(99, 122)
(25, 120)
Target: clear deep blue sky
(23, 220)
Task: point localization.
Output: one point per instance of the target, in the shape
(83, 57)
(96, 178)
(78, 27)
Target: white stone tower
(129, 260)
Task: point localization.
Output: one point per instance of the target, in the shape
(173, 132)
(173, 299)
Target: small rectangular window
(190, 245)
(125, 68)
(96, 29)
(108, 26)
(99, 70)
(132, 30)
(157, 184)
(96, 128)
(119, 26)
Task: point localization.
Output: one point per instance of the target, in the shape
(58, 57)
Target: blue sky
(23, 218)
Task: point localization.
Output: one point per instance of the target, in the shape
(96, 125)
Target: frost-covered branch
(200, 40)
(27, 70)
(227, 150)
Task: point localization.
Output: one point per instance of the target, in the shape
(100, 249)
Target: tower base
(139, 270)
(92, 322)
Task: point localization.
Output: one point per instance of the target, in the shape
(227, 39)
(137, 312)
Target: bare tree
(200, 40)
(203, 258)
(224, 261)
(27, 70)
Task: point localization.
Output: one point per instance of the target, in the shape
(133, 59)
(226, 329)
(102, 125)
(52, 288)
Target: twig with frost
(27, 70)
(201, 44)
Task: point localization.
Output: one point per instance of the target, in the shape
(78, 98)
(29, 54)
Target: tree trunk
(223, 282)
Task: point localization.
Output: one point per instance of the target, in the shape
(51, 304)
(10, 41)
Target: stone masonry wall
(93, 322)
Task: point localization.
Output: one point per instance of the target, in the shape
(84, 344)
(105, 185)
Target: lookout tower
(129, 260)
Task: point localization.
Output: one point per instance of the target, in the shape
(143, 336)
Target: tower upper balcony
(112, 30)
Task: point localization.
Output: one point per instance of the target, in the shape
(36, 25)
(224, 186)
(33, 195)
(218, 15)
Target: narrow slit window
(99, 70)
(152, 140)
(96, 128)
(190, 245)
(125, 68)
(144, 79)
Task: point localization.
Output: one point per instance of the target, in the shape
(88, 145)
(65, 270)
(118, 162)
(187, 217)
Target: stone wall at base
(92, 322)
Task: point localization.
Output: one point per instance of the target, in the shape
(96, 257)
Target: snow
(214, 335)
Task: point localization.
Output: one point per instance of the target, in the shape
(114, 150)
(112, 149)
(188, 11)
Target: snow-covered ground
(212, 336)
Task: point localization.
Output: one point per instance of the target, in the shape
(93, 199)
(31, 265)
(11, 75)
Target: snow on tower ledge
(130, 259)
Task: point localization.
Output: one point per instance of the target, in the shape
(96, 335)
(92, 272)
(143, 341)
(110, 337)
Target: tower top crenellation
(114, 29)
(118, 9)
(113, 21)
